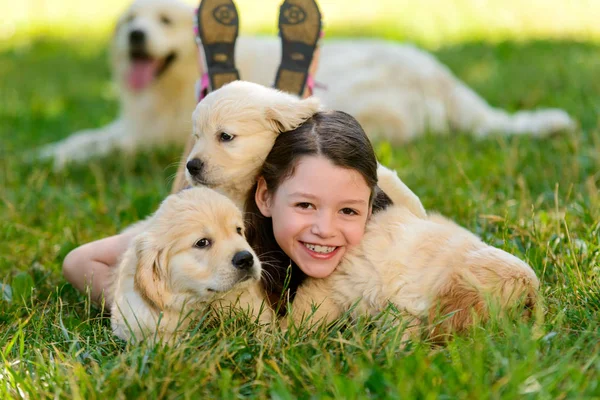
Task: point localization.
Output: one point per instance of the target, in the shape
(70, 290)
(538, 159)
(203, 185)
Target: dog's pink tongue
(141, 74)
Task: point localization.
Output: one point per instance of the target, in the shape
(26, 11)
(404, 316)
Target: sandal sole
(218, 26)
(300, 29)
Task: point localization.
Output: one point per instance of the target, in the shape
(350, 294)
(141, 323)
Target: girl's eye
(165, 20)
(203, 243)
(348, 211)
(225, 137)
(304, 205)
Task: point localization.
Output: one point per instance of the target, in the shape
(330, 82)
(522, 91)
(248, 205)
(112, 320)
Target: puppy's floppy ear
(150, 279)
(289, 113)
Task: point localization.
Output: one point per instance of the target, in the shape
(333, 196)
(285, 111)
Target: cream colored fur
(160, 113)
(426, 266)
(163, 277)
(433, 271)
(255, 115)
(396, 91)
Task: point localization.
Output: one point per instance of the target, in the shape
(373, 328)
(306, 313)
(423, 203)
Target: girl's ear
(263, 198)
(288, 112)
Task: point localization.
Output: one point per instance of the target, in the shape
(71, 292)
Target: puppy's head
(153, 38)
(235, 128)
(194, 246)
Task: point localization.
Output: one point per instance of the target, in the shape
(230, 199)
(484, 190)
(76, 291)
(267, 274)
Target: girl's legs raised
(300, 30)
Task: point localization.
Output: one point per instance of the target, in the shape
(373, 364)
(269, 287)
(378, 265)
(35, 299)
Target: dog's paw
(547, 122)
(80, 147)
(58, 153)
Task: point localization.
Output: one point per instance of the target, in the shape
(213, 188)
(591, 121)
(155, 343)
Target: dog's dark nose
(194, 166)
(243, 260)
(137, 37)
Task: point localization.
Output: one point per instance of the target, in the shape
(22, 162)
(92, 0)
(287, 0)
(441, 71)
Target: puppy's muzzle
(243, 260)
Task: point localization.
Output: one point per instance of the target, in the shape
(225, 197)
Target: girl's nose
(323, 225)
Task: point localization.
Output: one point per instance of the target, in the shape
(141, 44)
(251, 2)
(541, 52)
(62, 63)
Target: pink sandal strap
(202, 87)
(311, 84)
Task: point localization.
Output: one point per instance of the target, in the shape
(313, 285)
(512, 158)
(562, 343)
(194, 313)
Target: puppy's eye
(239, 230)
(225, 137)
(165, 20)
(130, 18)
(203, 243)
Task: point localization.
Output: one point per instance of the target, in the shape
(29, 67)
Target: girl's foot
(300, 30)
(218, 25)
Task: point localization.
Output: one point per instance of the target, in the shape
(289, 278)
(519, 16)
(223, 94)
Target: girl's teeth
(319, 249)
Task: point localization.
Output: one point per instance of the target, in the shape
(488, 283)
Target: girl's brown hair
(334, 135)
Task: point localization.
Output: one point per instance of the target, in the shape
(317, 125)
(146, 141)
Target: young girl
(317, 189)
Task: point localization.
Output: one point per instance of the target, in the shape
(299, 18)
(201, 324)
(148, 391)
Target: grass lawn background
(537, 199)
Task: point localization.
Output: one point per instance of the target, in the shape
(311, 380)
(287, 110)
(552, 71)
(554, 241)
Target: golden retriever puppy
(235, 128)
(424, 265)
(190, 253)
(435, 273)
(396, 91)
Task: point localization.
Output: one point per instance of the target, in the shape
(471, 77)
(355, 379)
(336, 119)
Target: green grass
(537, 199)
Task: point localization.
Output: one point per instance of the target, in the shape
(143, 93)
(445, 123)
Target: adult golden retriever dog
(425, 265)
(154, 64)
(190, 253)
(396, 91)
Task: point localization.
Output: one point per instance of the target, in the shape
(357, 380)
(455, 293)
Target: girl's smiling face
(318, 213)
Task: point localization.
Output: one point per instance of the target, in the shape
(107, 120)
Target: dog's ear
(289, 114)
(117, 26)
(150, 279)
(112, 48)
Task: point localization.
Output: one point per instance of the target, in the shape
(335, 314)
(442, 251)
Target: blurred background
(536, 198)
(517, 54)
(428, 22)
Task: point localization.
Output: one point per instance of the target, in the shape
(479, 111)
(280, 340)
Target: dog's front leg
(86, 144)
(251, 299)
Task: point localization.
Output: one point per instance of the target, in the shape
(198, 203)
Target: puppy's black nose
(194, 166)
(137, 37)
(243, 260)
